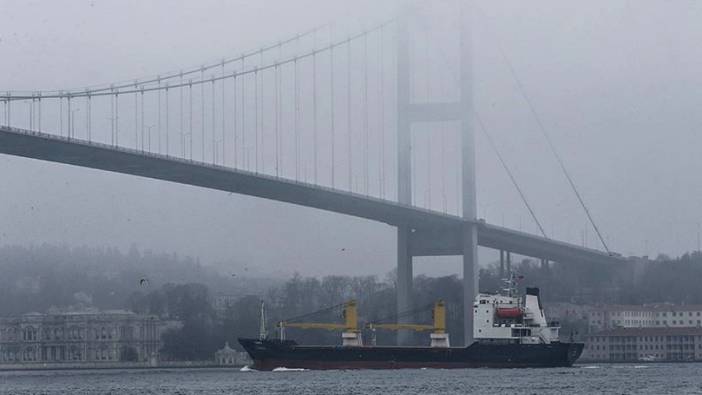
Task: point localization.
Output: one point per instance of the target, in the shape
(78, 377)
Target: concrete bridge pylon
(409, 113)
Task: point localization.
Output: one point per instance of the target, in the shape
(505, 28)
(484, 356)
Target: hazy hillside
(37, 278)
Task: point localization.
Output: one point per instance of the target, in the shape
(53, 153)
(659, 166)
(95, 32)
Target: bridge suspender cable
(444, 200)
(277, 121)
(263, 113)
(88, 117)
(237, 141)
(183, 145)
(315, 141)
(224, 120)
(142, 120)
(116, 119)
(381, 98)
(331, 109)
(214, 125)
(348, 113)
(167, 122)
(60, 115)
(70, 115)
(296, 120)
(256, 121)
(190, 118)
(112, 119)
(547, 137)
(509, 172)
(551, 146)
(244, 147)
(136, 118)
(365, 116)
(158, 111)
(242, 143)
(202, 111)
(31, 114)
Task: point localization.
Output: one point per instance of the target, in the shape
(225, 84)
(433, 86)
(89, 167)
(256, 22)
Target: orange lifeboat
(509, 312)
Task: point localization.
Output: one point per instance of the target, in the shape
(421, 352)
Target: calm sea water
(584, 379)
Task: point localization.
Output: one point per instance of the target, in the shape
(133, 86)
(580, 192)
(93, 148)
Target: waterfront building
(560, 311)
(644, 316)
(79, 337)
(644, 344)
(228, 356)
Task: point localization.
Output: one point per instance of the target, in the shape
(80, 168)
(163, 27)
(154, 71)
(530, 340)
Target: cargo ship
(509, 332)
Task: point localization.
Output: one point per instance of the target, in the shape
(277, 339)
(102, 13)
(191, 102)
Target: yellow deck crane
(351, 335)
(439, 337)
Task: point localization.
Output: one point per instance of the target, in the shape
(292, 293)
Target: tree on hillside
(196, 339)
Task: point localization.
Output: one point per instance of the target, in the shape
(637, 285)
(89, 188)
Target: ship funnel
(533, 291)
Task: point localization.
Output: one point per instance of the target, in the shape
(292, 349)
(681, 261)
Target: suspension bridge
(319, 120)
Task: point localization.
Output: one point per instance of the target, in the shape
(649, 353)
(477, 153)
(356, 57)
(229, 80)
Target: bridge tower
(409, 113)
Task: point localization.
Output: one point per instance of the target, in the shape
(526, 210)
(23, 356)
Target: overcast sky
(616, 83)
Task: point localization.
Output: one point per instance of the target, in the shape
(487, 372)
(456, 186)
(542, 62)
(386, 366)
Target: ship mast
(510, 287)
(262, 332)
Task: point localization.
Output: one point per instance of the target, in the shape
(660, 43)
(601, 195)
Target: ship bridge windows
(521, 332)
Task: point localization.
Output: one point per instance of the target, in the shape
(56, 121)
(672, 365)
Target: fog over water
(616, 83)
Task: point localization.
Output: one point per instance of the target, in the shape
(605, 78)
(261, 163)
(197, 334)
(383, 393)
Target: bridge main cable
(256, 69)
(133, 87)
(174, 74)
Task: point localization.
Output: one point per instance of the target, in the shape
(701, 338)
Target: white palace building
(79, 338)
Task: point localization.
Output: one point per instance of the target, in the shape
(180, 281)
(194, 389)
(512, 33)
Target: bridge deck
(436, 233)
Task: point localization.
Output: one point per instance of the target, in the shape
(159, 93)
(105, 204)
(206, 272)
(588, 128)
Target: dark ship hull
(271, 354)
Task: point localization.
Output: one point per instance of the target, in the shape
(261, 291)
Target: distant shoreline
(106, 366)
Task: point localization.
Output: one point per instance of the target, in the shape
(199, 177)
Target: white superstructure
(506, 318)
